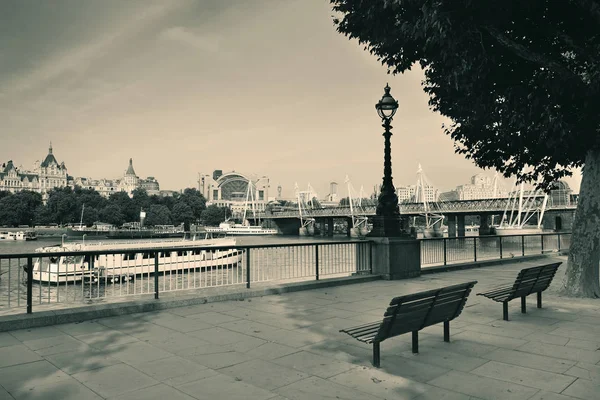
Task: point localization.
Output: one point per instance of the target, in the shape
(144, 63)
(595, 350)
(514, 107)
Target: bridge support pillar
(396, 258)
(484, 225)
(323, 227)
(349, 227)
(460, 219)
(451, 225)
(330, 226)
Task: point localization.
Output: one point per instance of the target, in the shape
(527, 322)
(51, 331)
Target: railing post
(542, 237)
(371, 258)
(558, 236)
(156, 275)
(445, 248)
(500, 238)
(317, 261)
(30, 285)
(523, 245)
(247, 267)
(474, 249)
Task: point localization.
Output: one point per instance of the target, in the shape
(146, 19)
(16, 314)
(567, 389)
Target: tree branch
(590, 7)
(531, 56)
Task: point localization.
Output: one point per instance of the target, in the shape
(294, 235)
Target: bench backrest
(535, 279)
(419, 310)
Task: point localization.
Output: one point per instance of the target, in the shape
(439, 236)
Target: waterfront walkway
(288, 347)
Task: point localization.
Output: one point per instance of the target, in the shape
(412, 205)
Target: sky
(261, 87)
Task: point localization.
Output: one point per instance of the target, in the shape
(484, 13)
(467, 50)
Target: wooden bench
(413, 312)
(529, 280)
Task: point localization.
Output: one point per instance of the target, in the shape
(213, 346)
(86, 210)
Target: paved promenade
(288, 347)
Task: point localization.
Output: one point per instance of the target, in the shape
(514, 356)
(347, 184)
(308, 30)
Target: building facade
(128, 183)
(234, 190)
(481, 187)
(47, 175)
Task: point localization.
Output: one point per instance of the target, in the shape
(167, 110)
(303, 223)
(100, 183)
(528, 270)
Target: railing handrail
(496, 236)
(173, 248)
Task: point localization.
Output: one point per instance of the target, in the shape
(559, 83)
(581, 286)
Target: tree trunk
(582, 276)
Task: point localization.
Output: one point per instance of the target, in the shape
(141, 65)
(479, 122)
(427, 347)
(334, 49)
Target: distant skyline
(266, 87)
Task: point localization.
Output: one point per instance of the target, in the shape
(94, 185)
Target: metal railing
(84, 277)
(445, 251)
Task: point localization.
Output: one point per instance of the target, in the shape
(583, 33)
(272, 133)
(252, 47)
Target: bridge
(456, 207)
(558, 214)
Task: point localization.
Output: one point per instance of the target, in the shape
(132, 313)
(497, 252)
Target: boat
(20, 235)
(132, 260)
(135, 231)
(230, 228)
(99, 229)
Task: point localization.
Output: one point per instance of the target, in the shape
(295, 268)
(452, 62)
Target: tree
(128, 209)
(62, 204)
(520, 81)
(214, 215)
(112, 214)
(158, 215)
(193, 198)
(11, 211)
(182, 213)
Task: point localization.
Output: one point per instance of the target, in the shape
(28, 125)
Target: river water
(278, 262)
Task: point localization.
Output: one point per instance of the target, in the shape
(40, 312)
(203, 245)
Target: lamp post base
(384, 226)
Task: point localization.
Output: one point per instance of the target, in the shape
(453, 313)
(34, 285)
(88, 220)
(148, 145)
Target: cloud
(183, 35)
(73, 62)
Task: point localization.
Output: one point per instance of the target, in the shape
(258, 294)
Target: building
(128, 183)
(47, 175)
(481, 187)
(234, 190)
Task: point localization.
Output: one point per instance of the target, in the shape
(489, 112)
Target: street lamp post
(386, 223)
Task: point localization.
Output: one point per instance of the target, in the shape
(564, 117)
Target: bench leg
(523, 305)
(539, 299)
(505, 310)
(415, 342)
(376, 356)
(446, 331)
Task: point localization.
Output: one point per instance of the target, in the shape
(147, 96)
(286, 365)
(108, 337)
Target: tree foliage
(158, 214)
(520, 81)
(213, 215)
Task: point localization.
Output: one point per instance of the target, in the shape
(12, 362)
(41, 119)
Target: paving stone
(101, 340)
(114, 380)
(24, 377)
(498, 329)
(6, 339)
(317, 388)
(224, 387)
(481, 387)
(542, 395)
(435, 393)
(156, 392)
(55, 345)
(492, 340)
(547, 338)
(411, 368)
(219, 336)
(270, 351)
(583, 389)
(590, 372)
(63, 389)
(82, 328)
(192, 376)
(445, 359)
(79, 361)
(174, 342)
(218, 360)
(264, 374)
(213, 318)
(4, 395)
(535, 361)
(525, 376)
(465, 347)
(17, 354)
(314, 364)
(168, 368)
(567, 353)
(181, 324)
(583, 344)
(139, 352)
(380, 383)
(36, 333)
